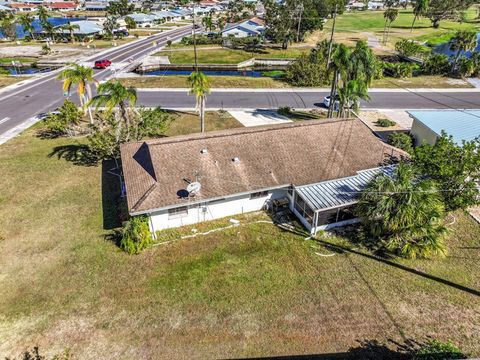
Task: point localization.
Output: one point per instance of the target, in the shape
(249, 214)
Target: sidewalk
(259, 117)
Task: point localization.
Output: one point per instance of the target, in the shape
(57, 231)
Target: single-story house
(142, 20)
(318, 168)
(95, 5)
(20, 7)
(62, 6)
(252, 27)
(85, 28)
(5, 8)
(462, 125)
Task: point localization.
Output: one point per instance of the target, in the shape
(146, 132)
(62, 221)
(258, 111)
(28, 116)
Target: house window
(177, 213)
(258, 195)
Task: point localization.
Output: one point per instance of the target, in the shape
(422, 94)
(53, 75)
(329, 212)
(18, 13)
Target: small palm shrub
(403, 214)
(437, 64)
(385, 123)
(62, 123)
(437, 350)
(285, 111)
(135, 235)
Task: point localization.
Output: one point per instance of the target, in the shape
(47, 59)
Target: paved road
(45, 94)
(311, 99)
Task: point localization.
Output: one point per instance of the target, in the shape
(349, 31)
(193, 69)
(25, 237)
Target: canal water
(444, 48)
(246, 73)
(55, 21)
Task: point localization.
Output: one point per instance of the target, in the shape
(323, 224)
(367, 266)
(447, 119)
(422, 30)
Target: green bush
(437, 350)
(399, 69)
(202, 40)
(437, 64)
(409, 48)
(284, 111)
(402, 141)
(4, 71)
(60, 124)
(385, 123)
(136, 235)
(307, 71)
(465, 67)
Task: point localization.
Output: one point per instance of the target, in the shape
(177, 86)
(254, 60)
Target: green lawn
(227, 82)
(353, 25)
(6, 80)
(252, 290)
(227, 56)
(8, 60)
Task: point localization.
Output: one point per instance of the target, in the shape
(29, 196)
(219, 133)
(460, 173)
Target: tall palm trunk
(126, 118)
(413, 22)
(89, 109)
(202, 114)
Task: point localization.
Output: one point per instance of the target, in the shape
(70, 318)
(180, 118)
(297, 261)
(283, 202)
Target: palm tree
(350, 95)
(26, 20)
(363, 63)
(113, 94)
(47, 27)
(81, 76)
(404, 213)
(340, 66)
(207, 22)
(420, 8)
(390, 16)
(464, 40)
(71, 29)
(200, 87)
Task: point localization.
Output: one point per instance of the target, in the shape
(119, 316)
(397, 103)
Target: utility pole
(194, 32)
(300, 10)
(330, 46)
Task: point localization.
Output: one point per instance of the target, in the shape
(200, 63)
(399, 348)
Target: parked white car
(326, 102)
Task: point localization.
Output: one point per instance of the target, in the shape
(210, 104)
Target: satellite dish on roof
(194, 188)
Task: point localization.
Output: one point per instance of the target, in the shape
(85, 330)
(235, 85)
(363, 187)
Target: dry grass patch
(6, 80)
(252, 290)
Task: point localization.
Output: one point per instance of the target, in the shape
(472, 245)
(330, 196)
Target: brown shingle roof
(296, 153)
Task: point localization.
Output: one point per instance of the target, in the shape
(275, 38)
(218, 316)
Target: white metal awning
(340, 192)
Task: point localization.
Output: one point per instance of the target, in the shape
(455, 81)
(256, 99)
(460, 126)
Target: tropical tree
(420, 8)
(47, 27)
(349, 96)
(8, 26)
(26, 20)
(207, 22)
(464, 40)
(403, 213)
(390, 16)
(455, 167)
(439, 10)
(81, 76)
(113, 94)
(339, 65)
(200, 87)
(71, 29)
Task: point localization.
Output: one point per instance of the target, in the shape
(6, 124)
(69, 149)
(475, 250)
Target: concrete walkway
(475, 82)
(259, 117)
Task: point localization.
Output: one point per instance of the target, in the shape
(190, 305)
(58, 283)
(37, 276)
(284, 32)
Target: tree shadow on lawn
(366, 350)
(114, 207)
(78, 154)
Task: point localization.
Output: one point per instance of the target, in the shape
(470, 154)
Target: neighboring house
(85, 29)
(96, 5)
(61, 6)
(462, 125)
(20, 7)
(252, 27)
(5, 9)
(316, 167)
(142, 20)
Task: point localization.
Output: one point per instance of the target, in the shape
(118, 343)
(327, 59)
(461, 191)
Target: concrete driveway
(259, 117)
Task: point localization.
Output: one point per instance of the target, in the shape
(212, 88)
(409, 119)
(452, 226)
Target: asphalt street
(45, 93)
(310, 99)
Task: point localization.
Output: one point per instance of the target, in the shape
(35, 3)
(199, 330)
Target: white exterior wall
(215, 210)
(422, 134)
(235, 32)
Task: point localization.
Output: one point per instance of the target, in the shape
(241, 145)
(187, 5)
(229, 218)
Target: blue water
(55, 21)
(246, 73)
(445, 49)
(24, 70)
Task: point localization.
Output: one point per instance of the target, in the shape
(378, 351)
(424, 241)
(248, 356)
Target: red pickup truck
(102, 64)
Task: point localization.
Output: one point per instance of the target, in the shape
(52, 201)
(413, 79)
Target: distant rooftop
(462, 125)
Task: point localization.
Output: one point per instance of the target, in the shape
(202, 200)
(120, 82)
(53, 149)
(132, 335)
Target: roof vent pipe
(236, 159)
